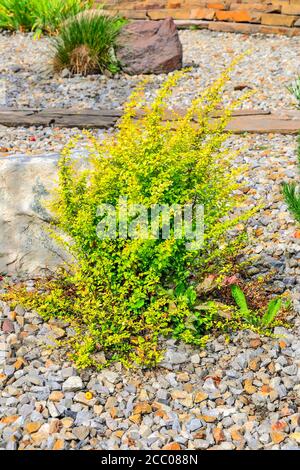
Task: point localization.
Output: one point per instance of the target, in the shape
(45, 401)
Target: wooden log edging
(59, 117)
(242, 121)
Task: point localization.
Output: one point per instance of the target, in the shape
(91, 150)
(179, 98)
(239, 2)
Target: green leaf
(273, 309)
(240, 299)
(37, 35)
(191, 295)
(139, 304)
(180, 289)
(292, 197)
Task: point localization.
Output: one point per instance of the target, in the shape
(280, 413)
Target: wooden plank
(254, 121)
(269, 125)
(19, 119)
(170, 114)
(63, 111)
(82, 119)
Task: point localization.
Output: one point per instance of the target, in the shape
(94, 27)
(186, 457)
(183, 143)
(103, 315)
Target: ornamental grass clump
(123, 293)
(39, 15)
(85, 44)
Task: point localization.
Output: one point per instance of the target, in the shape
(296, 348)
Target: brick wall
(274, 16)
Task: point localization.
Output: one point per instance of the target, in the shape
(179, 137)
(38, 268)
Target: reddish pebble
(7, 326)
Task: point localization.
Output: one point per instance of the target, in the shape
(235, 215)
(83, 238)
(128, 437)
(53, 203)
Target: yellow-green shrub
(123, 294)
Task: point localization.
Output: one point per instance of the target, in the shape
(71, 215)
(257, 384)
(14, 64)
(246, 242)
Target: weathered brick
(159, 14)
(291, 9)
(248, 28)
(192, 4)
(266, 12)
(253, 1)
(216, 6)
(202, 14)
(240, 16)
(151, 4)
(265, 7)
(280, 3)
(278, 20)
(133, 14)
(173, 4)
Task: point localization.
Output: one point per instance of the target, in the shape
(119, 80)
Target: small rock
(112, 377)
(227, 446)
(15, 68)
(219, 435)
(194, 424)
(81, 432)
(291, 370)
(142, 408)
(200, 396)
(54, 413)
(32, 427)
(183, 377)
(255, 343)
(65, 73)
(59, 444)
(295, 436)
(7, 326)
(172, 446)
(277, 436)
(73, 384)
(209, 386)
(173, 357)
(195, 359)
(56, 396)
(81, 397)
(248, 387)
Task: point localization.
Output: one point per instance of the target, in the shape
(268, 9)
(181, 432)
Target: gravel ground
(241, 395)
(25, 72)
(273, 238)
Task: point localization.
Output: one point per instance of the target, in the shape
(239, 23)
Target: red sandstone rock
(150, 47)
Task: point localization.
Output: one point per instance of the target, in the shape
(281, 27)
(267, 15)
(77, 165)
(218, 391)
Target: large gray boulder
(26, 248)
(146, 47)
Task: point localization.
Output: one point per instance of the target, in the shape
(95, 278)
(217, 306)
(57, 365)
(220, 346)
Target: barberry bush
(123, 295)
